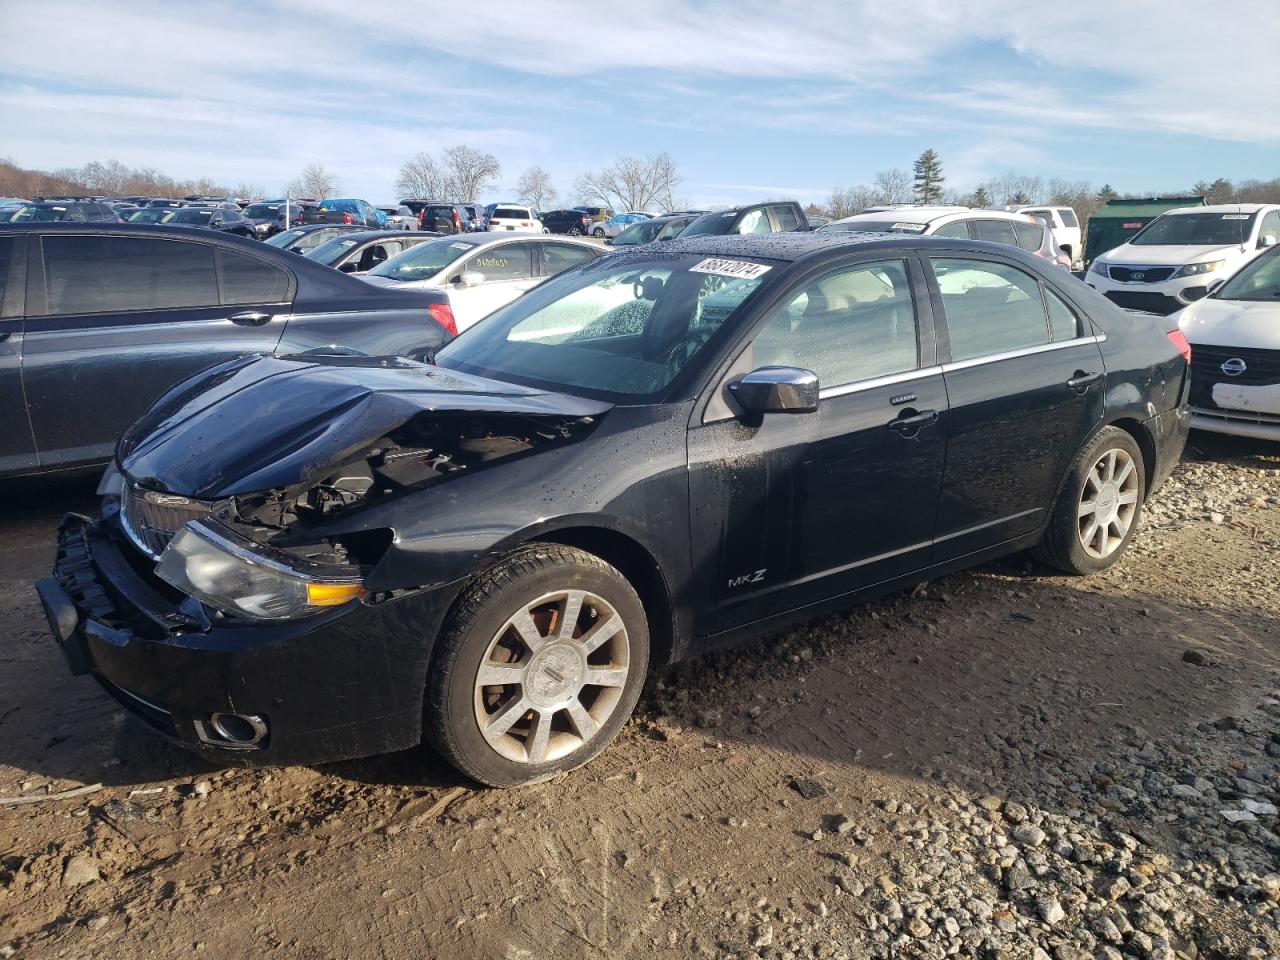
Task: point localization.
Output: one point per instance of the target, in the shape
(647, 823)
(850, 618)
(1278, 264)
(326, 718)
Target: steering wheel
(683, 349)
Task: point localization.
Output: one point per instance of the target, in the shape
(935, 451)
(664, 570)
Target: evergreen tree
(928, 178)
(1106, 193)
(980, 198)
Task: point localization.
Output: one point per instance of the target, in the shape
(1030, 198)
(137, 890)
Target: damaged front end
(234, 490)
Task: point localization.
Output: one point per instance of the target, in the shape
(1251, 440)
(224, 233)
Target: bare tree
(535, 188)
(632, 184)
(422, 177)
(314, 181)
(853, 200)
(470, 172)
(892, 186)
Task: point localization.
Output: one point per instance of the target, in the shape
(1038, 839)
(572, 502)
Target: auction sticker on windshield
(741, 269)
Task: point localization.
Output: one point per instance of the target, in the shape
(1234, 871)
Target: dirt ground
(713, 826)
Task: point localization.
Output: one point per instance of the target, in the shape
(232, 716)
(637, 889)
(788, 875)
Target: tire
(598, 233)
(534, 729)
(1108, 475)
(575, 231)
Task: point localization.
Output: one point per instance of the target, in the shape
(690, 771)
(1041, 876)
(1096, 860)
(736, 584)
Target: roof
(1144, 207)
(1225, 208)
(360, 236)
(930, 214)
(779, 246)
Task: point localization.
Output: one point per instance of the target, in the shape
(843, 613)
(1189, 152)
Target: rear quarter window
(1030, 236)
(250, 280)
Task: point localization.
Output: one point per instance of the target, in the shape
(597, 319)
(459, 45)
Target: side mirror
(1267, 241)
(468, 279)
(348, 267)
(777, 390)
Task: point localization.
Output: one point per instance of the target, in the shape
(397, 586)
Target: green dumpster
(1118, 221)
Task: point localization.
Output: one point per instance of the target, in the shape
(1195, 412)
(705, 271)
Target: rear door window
(508, 261)
(563, 256)
(1068, 217)
(990, 307)
(250, 280)
(111, 274)
(996, 231)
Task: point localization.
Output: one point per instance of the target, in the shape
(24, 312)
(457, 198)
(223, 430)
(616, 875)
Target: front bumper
(1236, 423)
(1165, 297)
(347, 683)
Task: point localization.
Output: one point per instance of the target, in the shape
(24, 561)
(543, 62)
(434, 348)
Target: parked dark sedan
(226, 218)
(362, 250)
(575, 223)
(269, 216)
(98, 320)
(302, 239)
(68, 211)
(304, 559)
(653, 229)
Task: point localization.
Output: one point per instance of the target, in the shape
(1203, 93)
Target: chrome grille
(151, 518)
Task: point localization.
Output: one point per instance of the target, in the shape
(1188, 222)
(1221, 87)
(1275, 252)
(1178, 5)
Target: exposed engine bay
(425, 451)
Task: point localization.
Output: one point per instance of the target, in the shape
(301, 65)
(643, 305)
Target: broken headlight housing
(242, 581)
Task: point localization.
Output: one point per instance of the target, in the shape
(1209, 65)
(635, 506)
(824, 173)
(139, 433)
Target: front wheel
(539, 667)
(1098, 510)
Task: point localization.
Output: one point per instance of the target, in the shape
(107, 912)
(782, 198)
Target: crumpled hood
(1232, 323)
(1159, 255)
(257, 423)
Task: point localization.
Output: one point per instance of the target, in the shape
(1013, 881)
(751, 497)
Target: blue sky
(751, 98)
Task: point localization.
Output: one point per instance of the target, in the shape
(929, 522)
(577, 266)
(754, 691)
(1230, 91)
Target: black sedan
(100, 320)
(573, 222)
(225, 219)
(303, 238)
(301, 559)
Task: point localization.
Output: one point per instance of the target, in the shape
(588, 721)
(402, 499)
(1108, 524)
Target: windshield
(150, 215)
(264, 211)
(188, 216)
(622, 327)
(638, 233)
(711, 225)
(875, 226)
(331, 251)
(1196, 229)
(285, 237)
(423, 261)
(1257, 280)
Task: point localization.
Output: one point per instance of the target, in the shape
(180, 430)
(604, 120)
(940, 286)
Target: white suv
(1181, 255)
(1066, 230)
(506, 218)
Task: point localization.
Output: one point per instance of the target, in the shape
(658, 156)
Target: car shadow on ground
(905, 681)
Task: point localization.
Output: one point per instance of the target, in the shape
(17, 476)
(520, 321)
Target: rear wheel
(575, 231)
(598, 233)
(539, 667)
(1099, 507)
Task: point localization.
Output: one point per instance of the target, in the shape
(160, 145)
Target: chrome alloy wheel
(551, 676)
(1108, 503)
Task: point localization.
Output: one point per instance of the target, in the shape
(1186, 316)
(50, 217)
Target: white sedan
(480, 271)
(1235, 352)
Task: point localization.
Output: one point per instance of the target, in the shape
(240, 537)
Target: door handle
(910, 423)
(1083, 381)
(250, 318)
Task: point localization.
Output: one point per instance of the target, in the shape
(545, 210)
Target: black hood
(258, 423)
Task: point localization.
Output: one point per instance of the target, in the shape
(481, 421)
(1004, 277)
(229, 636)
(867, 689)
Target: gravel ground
(999, 764)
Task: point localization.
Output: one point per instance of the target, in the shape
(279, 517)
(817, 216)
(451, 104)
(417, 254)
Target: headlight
(237, 580)
(1195, 269)
(1099, 268)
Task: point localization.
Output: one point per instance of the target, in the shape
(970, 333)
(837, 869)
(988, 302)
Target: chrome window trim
(858, 386)
(1024, 352)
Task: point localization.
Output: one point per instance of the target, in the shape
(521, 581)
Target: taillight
(457, 224)
(1179, 340)
(442, 314)
(525, 223)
